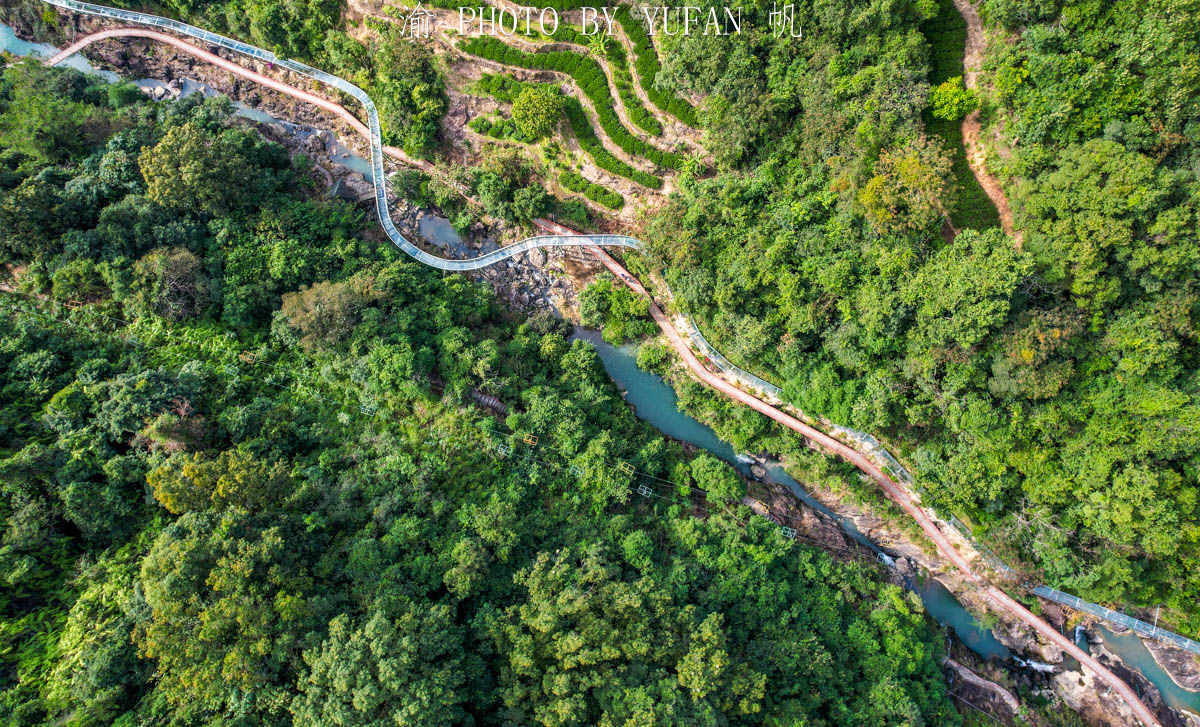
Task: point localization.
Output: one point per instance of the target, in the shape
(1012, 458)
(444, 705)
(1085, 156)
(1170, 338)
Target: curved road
(945, 548)
(370, 129)
(560, 235)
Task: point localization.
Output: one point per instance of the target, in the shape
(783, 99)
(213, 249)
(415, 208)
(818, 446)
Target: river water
(656, 403)
(11, 43)
(1134, 654)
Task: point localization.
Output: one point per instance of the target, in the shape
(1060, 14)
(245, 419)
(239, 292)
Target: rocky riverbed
(549, 279)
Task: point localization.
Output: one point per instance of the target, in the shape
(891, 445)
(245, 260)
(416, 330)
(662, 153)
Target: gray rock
(313, 144)
(352, 187)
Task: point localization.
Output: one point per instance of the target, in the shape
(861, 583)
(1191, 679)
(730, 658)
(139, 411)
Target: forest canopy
(242, 482)
(1045, 393)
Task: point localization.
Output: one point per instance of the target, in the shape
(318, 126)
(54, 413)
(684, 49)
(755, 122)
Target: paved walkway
(561, 235)
(999, 598)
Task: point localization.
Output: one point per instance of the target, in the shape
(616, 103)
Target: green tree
(171, 283)
(951, 100)
(536, 110)
(405, 670)
(618, 311)
(719, 482)
(530, 202)
(41, 121)
(215, 173)
(322, 313)
(78, 280)
(911, 188)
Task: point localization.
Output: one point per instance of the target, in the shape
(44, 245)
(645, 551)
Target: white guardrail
(868, 442)
(872, 447)
(1129, 622)
(379, 180)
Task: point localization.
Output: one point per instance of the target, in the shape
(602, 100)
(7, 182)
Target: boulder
(353, 187)
(313, 144)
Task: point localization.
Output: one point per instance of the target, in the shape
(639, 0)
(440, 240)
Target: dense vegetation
(506, 90)
(241, 481)
(589, 76)
(615, 309)
(647, 65)
(947, 33)
(595, 192)
(1047, 395)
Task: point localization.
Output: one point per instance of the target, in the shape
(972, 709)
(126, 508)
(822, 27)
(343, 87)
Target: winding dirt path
(1002, 601)
(971, 127)
(238, 70)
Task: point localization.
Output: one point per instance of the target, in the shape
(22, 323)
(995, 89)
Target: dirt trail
(971, 127)
(1002, 601)
(893, 490)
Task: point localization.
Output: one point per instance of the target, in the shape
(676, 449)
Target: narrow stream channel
(655, 402)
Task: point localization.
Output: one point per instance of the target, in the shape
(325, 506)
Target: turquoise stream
(1134, 654)
(655, 402)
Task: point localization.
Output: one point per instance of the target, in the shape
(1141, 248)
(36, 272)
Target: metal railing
(713, 355)
(866, 441)
(379, 180)
(1129, 622)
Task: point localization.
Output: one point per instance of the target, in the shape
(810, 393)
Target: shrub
(595, 192)
(951, 100)
(536, 110)
(591, 80)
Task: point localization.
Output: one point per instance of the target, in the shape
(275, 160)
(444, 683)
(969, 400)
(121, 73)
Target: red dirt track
(893, 490)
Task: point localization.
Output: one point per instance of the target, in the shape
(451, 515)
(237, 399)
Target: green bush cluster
(623, 79)
(646, 63)
(591, 79)
(504, 89)
(595, 192)
(604, 159)
(504, 129)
